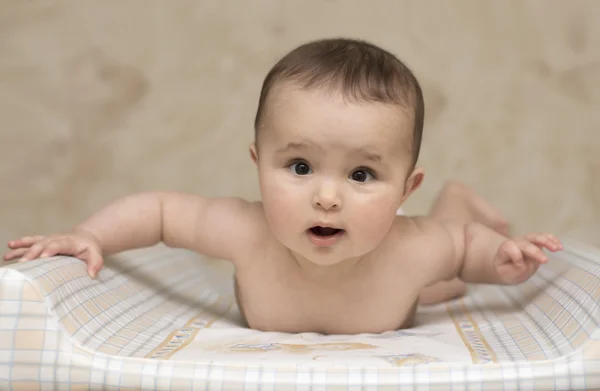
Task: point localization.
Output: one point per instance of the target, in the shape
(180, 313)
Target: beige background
(103, 98)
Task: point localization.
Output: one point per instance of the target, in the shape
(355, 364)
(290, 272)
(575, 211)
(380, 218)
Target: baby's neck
(328, 273)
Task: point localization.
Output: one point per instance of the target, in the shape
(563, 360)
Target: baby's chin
(344, 251)
(326, 260)
(330, 256)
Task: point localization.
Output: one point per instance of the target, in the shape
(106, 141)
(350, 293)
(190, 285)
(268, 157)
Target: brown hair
(361, 71)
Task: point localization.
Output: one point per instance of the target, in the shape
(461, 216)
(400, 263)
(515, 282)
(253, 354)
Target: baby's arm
(207, 225)
(218, 227)
(482, 255)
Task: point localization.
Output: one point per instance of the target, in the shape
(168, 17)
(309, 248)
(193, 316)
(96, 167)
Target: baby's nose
(327, 197)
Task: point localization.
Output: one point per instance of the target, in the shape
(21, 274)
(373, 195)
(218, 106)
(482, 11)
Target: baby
(337, 137)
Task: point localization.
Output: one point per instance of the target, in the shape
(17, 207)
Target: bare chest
(279, 299)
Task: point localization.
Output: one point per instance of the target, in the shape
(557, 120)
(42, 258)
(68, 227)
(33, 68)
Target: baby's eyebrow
(371, 156)
(362, 151)
(298, 145)
(367, 154)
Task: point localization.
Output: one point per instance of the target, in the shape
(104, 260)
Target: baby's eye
(300, 168)
(362, 175)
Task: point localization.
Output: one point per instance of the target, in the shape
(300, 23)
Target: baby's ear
(253, 154)
(413, 182)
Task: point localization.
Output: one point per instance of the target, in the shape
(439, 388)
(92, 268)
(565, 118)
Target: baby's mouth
(325, 231)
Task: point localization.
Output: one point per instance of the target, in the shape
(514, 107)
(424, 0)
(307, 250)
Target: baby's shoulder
(245, 223)
(252, 218)
(419, 241)
(418, 229)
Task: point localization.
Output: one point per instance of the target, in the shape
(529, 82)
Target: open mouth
(325, 231)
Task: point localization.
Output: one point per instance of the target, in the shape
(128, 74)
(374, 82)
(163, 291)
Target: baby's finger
(555, 241)
(34, 252)
(26, 241)
(534, 252)
(9, 256)
(52, 249)
(548, 241)
(513, 253)
(63, 246)
(94, 264)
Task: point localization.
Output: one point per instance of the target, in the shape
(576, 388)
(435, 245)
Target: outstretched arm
(482, 255)
(210, 226)
(216, 227)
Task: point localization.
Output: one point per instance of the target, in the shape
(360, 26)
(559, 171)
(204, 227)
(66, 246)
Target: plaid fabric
(163, 319)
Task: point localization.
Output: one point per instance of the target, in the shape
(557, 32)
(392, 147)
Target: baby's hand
(518, 259)
(80, 245)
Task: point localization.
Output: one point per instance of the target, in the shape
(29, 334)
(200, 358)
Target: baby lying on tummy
(337, 137)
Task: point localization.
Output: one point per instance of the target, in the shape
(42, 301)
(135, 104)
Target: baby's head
(337, 137)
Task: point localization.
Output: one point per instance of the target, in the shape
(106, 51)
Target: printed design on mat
(409, 359)
(298, 348)
(481, 352)
(180, 338)
(399, 334)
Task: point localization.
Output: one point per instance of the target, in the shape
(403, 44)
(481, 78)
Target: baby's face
(332, 173)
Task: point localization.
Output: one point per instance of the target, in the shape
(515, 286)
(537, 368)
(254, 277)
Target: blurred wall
(101, 99)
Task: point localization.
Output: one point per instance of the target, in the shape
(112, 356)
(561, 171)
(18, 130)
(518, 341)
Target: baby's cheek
(282, 206)
(375, 218)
